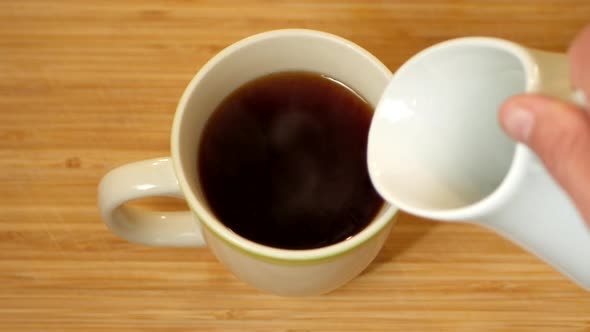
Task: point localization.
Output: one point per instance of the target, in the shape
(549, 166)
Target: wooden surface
(86, 86)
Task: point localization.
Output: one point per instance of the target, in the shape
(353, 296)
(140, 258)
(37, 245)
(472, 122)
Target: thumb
(559, 133)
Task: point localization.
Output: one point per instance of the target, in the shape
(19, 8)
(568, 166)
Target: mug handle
(148, 178)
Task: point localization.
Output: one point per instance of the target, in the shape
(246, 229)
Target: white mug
(436, 148)
(280, 271)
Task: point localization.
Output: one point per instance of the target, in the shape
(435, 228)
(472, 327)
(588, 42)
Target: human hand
(557, 131)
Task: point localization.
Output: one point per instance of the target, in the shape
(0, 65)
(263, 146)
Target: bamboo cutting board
(86, 86)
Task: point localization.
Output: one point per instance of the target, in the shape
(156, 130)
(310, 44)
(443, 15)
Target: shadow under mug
(280, 271)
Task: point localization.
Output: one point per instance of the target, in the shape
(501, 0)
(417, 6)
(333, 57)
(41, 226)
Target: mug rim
(212, 223)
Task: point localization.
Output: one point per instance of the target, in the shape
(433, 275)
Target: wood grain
(86, 86)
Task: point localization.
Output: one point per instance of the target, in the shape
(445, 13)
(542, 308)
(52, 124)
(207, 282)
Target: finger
(579, 55)
(559, 133)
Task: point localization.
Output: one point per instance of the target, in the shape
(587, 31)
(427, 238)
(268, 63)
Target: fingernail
(580, 99)
(519, 124)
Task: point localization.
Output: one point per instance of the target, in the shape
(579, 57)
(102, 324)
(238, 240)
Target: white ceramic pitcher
(436, 148)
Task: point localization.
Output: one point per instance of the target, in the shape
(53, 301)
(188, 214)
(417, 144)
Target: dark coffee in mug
(282, 161)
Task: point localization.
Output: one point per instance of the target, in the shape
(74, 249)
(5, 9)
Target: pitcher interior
(438, 120)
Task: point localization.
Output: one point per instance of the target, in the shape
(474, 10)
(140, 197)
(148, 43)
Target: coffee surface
(282, 161)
